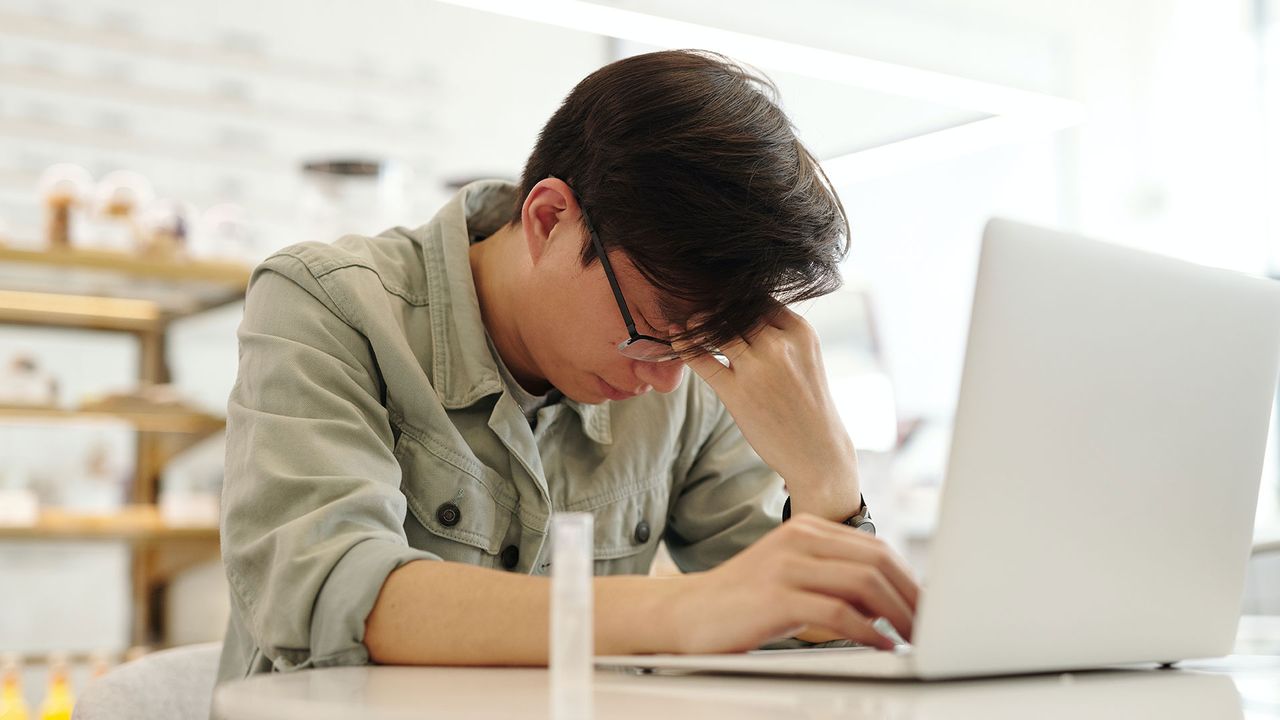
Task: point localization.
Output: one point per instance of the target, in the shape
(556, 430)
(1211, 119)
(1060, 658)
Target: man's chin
(595, 391)
(582, 392)
(613, 393)
(583, 398)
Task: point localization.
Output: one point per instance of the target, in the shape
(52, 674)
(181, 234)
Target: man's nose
(664, 376)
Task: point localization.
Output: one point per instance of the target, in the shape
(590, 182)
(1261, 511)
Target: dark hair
(683, 160)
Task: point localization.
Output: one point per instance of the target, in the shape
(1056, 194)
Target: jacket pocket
(458, 500)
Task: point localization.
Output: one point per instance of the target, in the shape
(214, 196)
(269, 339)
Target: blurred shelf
(104, 290)
(91, 289)
(160, 550)
(233, 275)
(272, 208)
(133, 523)
(79, 311)
(160, 421)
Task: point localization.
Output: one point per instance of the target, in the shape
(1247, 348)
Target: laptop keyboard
(842, 646)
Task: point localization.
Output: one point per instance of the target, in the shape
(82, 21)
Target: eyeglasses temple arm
(613, 281)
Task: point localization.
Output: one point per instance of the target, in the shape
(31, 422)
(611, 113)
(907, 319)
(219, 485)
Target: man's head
(701, 195)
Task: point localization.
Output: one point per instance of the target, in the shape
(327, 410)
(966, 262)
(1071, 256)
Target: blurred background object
(151, 153)
(22, 382)
(350, 196)
(64, 188)
(118, 197)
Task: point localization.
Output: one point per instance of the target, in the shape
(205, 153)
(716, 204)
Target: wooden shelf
(79, 311)
(101, 290)
(194, 423)
(233, 275)
(133, 523)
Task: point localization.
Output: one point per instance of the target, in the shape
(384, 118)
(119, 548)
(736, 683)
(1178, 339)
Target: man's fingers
(829, 613)
(784, 318)
(863, 586)
(735, 352)
(703, 363)
(707, 367)
(830, 540)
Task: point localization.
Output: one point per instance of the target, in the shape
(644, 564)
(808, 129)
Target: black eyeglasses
(637, 346)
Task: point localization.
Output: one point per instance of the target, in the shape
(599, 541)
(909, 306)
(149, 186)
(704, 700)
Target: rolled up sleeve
(729, 497)
(313, 515)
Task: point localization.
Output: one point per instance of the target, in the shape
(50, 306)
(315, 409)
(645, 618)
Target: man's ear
(549, 204)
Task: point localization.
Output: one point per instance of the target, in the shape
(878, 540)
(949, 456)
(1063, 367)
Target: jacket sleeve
(312, 512)
(728, 498)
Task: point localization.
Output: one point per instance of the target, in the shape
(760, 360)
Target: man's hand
(808, 572)
(775, 388)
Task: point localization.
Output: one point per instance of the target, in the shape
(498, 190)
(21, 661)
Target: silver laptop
(1103, 477)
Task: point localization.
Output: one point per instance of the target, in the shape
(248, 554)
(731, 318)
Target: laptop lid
(1104, 468)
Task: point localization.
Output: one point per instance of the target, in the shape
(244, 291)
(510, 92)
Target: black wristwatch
(861, 521)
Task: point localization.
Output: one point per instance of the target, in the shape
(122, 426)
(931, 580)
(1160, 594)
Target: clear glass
(572, 641)
(341, 196)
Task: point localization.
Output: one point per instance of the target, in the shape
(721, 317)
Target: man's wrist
(637, 615)
(863, 510)
(858, 521)
(830, 489)
(835, 502)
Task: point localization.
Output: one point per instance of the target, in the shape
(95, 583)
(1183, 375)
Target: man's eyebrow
(659, 313)
(652, 327)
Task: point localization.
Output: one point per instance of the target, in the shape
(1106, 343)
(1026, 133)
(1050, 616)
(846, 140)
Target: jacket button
(642, 532)
(448, 514)
(510, 557)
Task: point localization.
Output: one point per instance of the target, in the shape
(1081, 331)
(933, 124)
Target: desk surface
(1246, 684)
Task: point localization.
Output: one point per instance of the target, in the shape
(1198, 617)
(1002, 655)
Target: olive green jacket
(369, 427)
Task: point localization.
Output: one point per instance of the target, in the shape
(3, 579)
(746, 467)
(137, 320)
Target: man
(412, 407)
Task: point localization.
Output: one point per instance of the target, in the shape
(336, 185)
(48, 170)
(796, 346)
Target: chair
(174, 684)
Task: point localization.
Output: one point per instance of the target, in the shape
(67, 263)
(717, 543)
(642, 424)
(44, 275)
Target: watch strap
(860, 521)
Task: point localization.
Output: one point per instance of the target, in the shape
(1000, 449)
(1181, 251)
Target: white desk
(1245, 685)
